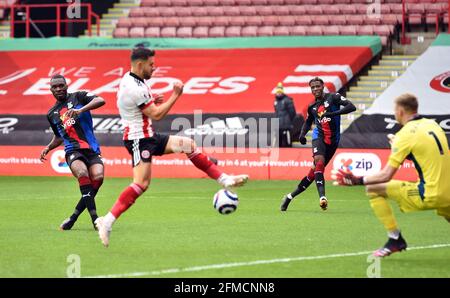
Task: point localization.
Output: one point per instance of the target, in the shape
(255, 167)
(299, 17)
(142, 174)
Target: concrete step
(126, 5)
(404, 63)
(389, 67)
(399, 57)
(110, 16)
(131, 1)
(391, 73)
(376, 78)
(362, 94)
(373, 84)
(368, 89)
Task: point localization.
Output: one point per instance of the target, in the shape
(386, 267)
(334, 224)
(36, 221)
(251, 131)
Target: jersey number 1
(437, 141)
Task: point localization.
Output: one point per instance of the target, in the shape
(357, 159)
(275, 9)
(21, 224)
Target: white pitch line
(252, 263)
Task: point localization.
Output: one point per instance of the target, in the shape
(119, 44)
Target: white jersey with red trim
(134, 96)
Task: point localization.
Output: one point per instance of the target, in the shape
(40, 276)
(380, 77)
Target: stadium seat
(320, 20)
(249, 31)
(286, 21)
(297, 30)
(136, 32)
(331, 9)
(155, 22)
(211, 2)
(308, 1)
(236, 21)
(276, 2)
(185, 32)
(214, 11)
(342, 1)
(396, 8)
(183, 11)
(152, 32)
(347, 30)
(338, 20)
(303, 20)
(188, 22)
(151, 12)
(247, 10)
(200, 32)
(265, 31)
(347, 9)
(264, 10)
(292, 2)
(217, 31)
(227, 2)
(171, 22)
(313, 9)
(195, 2)
(179, 2)
(233, 31)
(355, 20)
(330, 30)
(120, 33)
(259, 2)
(222, 21)
(243, 2)
(204, 21)
(231, 11)
(136, 12)
(281, 11)
(281, 31)
(389, 19)
(124, 22)
(254, 21)
(382, 30)
(200, 12)
(270, 20)
(314, 30)
(364, 30)
(297, 10)
(168, 32)
(139, 22)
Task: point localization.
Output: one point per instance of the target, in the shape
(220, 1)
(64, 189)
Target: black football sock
(87, 195)
(302, 186)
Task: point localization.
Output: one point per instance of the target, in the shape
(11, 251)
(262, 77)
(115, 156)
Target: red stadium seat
(330, 30)
(183, 11)
(204, 21)
(124, 22)
(224, 21)
(200, 12)
(227, 2)
(215, 11)
(211, 2)
(281, 31)
(347, 9)
(303, 20)
(331, 10)
(155, 22)
(233, 31)
(237, 21)
(286, 20)
(298, 30)
(415, 19)
(264, 10)
(270, 20)
(243, 2)
(389, 19)
(259, 2)
(152, 32)
(195, 2)
(120, 33)
(320, 20)
(308, 1)
(151, 12)
(249, 31)
(347, 30)
(188, 22)
(139, 22)
(338, 20)
(292, 2)
(200, 32)
(297, 10)
(281, 10)
(342, 1)
(185, 32)
(313, 9)
(364, 30)
(167, 11)
(355, 19)
(265, 31)
(231, 11)
(314, 30)
(216, 32)
(396, 8)
(382, 30)
(168, 32)
(253, 21)
(276, 2)
(179, 2)
(247, 10)
(136, 32)
(171, 22)
(136, 12)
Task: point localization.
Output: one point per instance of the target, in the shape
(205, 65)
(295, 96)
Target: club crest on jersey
(69, 105)
(326, 104)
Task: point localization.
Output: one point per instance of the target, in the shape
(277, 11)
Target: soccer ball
(225, 201)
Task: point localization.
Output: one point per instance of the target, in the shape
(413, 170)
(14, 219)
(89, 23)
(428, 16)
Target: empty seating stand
(234, 18)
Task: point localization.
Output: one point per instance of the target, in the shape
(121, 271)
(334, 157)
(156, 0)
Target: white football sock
(394, 234)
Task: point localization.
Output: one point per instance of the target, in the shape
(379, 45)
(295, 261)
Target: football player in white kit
(137, 109)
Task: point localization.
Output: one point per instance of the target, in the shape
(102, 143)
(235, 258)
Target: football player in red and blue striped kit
(325, 112)
(71, 122)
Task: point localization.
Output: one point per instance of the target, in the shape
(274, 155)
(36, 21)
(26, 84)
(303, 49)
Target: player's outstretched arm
(342, 177)
(347, 108)
(95, 103)
(54, 143)
(158, 112)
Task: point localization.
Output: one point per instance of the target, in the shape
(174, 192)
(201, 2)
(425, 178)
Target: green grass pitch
(173, 231)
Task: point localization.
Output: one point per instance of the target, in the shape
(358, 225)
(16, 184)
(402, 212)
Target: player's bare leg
(378, 201)
(80, 171)
(177, 144)
(141, 181)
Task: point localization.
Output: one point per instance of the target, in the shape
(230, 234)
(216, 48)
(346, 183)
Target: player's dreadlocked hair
(58, 76)
(141, 53)
(316, 79)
